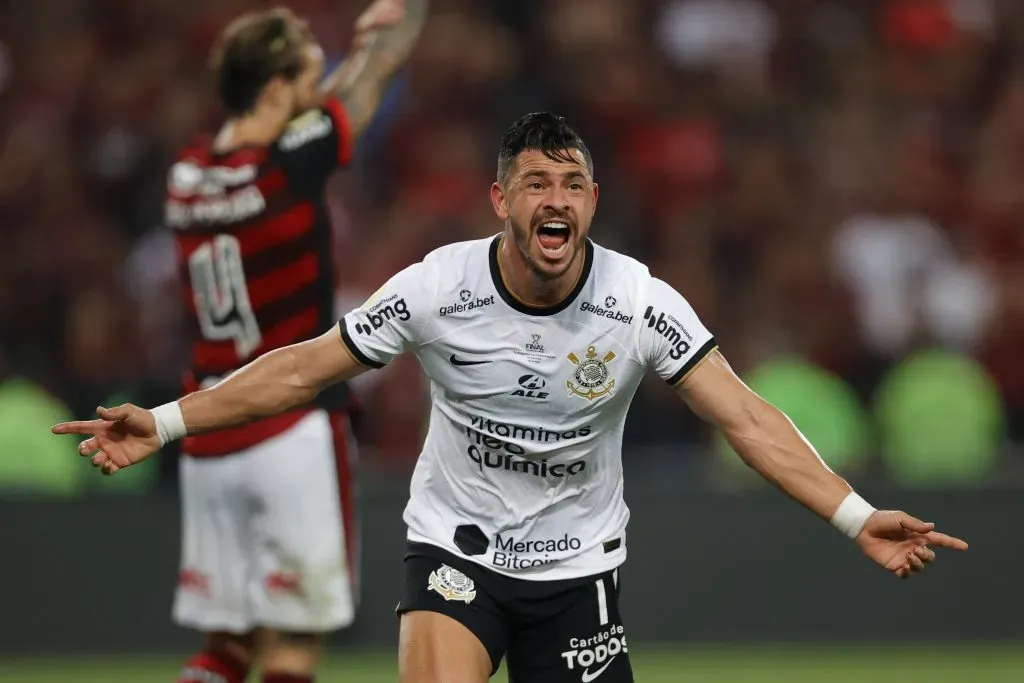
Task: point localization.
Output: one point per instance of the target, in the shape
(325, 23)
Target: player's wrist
(852, 514)
(170, 422)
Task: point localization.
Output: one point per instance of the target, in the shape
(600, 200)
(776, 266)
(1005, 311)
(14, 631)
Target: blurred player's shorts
(269, 534)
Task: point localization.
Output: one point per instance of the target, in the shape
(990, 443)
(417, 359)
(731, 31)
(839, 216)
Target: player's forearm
(361, 82)
(272, 384)
(771, 444)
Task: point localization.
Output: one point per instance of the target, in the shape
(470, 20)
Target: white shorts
(264, 536)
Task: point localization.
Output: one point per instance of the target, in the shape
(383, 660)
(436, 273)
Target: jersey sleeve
(315, 144)
(673, 340)
(391, 322)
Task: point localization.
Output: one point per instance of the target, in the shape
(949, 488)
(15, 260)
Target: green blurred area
(722, 664)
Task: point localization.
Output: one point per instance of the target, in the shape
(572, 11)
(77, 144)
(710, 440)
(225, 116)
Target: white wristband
(170, 423)
(852, 514)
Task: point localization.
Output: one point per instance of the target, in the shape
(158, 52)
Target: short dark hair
(254, 49)
(544, 132)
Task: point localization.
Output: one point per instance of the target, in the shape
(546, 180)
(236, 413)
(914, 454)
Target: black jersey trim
(695, 360)
(350, 344)
(513, 302)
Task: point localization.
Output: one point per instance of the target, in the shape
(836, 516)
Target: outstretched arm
(385, 36)
(274, 383)
(770, 443)
(390, 323)
(763, 436)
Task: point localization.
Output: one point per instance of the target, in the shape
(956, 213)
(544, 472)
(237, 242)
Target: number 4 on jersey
(221, 295)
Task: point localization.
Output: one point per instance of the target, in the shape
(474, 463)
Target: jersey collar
(513, 302)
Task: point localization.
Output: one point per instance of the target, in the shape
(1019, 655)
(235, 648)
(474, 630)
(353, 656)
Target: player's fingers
(78, 427)
(944, 541)
(88, 447)
(110, 468)
(380, 15)
(902, 572)
(925, 553)
(114, 414)
(99, 459)
(916, 563)
(914, 524)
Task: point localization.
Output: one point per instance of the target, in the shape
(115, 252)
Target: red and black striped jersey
(254, 246)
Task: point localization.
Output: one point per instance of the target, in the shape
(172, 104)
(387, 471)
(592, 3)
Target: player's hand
(899, 542)
(121, 437)
(380, 14)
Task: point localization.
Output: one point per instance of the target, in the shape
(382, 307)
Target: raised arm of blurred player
(678, 347)
(385, 35)
(770, 443)
(390, 323)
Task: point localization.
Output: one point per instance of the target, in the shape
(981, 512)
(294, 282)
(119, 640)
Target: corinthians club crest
(590, 379)
(451, 584)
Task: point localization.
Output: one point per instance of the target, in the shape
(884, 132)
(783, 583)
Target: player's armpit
(762, 435)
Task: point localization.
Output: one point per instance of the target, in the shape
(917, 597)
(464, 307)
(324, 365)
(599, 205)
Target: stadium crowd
(838, 189)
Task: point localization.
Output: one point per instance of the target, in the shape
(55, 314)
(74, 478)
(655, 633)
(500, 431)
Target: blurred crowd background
(837, 187)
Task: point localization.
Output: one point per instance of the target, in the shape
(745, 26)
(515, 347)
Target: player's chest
(524, 367)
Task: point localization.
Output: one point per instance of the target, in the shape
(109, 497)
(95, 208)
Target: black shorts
(566, 631)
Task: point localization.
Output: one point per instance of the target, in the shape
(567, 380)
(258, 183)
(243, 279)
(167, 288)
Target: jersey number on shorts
(221, 295)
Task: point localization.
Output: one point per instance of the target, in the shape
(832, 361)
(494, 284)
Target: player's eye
(536, 186)
(576, 187)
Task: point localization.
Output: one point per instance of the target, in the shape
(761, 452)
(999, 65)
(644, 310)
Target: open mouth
(553, 238)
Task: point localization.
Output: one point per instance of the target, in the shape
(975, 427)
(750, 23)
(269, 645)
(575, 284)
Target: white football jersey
(521, 469)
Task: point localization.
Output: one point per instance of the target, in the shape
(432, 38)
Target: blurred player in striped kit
(269, 554)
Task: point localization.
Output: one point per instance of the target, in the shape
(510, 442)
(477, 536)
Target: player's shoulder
(459, 277)
(305, 128)
(611, 263)
(457, 258)
(185, 173)
(617, 259)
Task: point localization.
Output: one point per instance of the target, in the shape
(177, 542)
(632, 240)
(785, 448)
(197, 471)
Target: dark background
(836, 187)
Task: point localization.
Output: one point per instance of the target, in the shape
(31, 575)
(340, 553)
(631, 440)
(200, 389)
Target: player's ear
(596, 193)
(498, 201)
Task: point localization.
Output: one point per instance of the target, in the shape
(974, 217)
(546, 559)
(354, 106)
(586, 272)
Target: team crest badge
(452, 584)
(590, 380)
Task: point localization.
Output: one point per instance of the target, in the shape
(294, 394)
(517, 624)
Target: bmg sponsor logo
(593, 655)
(508, 552)
(671, 329)
(606, 311)
(383, 311)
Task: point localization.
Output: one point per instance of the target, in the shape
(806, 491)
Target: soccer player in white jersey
(534, 341)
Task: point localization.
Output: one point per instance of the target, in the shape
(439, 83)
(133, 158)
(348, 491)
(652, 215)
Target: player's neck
(527, 286)
(257, 129)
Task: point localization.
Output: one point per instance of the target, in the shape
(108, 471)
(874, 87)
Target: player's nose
(557, 202)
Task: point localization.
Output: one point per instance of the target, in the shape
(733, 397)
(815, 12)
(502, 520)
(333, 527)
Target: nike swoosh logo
(455, 361)
(588, 676)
